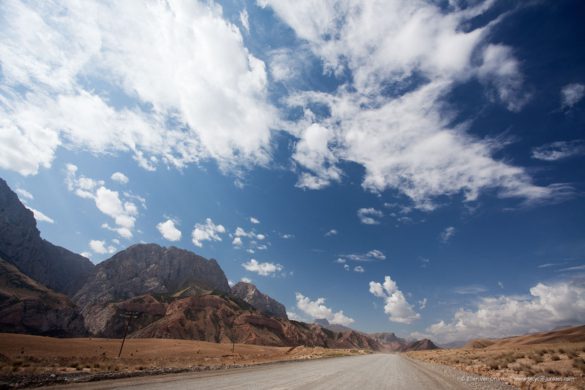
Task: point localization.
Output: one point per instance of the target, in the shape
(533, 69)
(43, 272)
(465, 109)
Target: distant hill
(249, 293)
(21, 244)
(419, 345)
(574, 334)
(26, 306)
(333, 327)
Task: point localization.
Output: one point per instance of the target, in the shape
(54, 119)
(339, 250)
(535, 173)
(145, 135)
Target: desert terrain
(33, 360)
(547, 360)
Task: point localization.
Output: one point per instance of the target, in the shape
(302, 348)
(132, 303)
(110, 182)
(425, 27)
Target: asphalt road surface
(377, 371)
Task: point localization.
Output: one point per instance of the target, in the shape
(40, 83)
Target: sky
(407, 166)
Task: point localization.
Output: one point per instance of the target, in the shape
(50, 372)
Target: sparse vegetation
(516, 365)
(96, 356)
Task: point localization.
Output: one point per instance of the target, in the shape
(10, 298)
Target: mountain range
(169, 292)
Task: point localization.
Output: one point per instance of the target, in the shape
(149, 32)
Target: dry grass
(539, 366)
(24, 355)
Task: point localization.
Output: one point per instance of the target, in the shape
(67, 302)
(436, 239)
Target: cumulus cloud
(120, 178)
(287, 236)
(109, 202)
(404, 58)
(313, 153)
(373, 255)
(547, 306)
(213, 106)
(316, 310)
(559, 150)
(368, 216)
(396, 305)
(422, 304)
(255, 221)
(572, 94)
(359, 268)
(207, 231)
(252, 239)
(39, 216)
(447, 233)
(169, 231)
(262, 269)
(100, 247)
(246, 280)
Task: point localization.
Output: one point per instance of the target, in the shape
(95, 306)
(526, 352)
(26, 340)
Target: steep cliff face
(262, 302)
(146, 269)
(29, 307)
(22, 245)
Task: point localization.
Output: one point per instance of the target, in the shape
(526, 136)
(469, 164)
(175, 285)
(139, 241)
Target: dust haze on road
(377, 371)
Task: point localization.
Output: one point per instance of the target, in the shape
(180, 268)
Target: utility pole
(129, 315)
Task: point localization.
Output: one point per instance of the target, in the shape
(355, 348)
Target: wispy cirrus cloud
(559, 150)
(404, 57)
(373, 255)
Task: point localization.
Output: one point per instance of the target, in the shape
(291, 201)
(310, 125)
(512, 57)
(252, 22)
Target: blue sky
(409, 166)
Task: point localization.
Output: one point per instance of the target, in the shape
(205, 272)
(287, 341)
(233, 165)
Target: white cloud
(331, 233)
(169, 231)
(472, 289)
(313, 153)
(24, 194)
(260, 237)
(368, 216)
(316, 310)
(212, 106)
(373, 255)
(404, 58)
(559, 150)
(207, 231)
(397, 307)
(100, 247)
(501, 69)
(359, 268)
(109, 202)
(572, 94)
(244, 19)
(255, 221)
(262, 269)
(120, 178)
(39, 216)
(447, 233)
(294, 316)
(246, 280)
(288, 236)
(422, 304)
(340, 260)
(549, 305)
(346, 267)
(237, 241)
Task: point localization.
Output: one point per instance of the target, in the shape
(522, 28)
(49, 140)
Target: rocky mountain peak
(250, 294)
(21, 244)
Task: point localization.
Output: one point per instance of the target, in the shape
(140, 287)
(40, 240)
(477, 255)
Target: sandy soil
(538, 366)
(31, 360)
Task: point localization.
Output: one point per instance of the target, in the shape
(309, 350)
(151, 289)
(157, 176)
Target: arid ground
(536, 366)
(30, 360)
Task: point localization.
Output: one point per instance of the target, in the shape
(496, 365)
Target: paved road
(378, 371)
